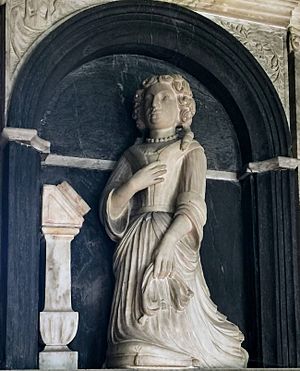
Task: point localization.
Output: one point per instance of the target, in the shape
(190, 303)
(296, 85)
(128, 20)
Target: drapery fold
(160, 321)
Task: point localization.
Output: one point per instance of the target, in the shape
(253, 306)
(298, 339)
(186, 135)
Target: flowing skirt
(171, 321)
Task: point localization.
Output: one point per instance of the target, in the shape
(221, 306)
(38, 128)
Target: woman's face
(161, 107)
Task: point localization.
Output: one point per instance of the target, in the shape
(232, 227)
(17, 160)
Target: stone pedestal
(62, 217)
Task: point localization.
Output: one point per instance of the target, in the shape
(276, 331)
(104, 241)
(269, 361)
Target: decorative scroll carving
(269, 49)
(294, 39)
(28, 19)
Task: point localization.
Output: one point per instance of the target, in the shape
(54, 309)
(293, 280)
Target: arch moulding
(263, 31)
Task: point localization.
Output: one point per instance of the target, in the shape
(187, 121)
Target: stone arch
(212, 55)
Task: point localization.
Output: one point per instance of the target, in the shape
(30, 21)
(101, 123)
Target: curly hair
(185, 100)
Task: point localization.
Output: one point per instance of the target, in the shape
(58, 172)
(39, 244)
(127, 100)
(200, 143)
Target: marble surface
(27, 137)
(153, 207)
(62, 217)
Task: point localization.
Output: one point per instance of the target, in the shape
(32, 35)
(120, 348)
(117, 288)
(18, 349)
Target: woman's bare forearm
(180, 226)
(120, 198)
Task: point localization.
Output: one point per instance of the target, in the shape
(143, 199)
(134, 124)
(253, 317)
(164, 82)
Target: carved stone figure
(153, 207)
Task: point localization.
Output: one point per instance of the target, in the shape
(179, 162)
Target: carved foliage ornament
(267, 46)
(294, 28)
(28, 19)
(294, 39)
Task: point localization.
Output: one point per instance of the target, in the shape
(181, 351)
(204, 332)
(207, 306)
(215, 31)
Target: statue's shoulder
(132, 152)
(133, 149)
(195, 146)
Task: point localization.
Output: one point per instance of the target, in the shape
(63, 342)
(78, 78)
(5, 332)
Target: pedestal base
(58, 360)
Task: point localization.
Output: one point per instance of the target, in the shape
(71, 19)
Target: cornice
(27, 137)
(269, 12)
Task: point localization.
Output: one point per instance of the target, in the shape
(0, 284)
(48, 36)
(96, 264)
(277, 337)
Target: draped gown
(170, 321)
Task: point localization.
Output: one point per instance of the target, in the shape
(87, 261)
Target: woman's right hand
(149, 175)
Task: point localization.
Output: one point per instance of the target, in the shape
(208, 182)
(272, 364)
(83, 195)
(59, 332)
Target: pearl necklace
(160, 140)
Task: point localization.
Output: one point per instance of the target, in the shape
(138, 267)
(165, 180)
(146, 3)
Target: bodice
(161, 196)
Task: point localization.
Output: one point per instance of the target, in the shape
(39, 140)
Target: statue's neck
(162, 133)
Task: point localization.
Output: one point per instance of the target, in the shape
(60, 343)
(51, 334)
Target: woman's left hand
(163, 259)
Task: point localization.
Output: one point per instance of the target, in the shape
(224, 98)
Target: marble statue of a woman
(153, 207)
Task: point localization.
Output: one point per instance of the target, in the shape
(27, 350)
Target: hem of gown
(137, 354)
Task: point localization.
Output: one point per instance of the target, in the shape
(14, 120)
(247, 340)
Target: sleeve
(115, 226)
(191, 197)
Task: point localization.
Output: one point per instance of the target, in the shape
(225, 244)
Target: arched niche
(174, 35)
(76, 89)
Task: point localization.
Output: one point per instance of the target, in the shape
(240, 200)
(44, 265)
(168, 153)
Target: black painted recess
(96, 101)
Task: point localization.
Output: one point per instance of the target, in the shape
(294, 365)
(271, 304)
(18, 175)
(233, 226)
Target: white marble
(272, 164)
(27, 137)
(268, 46)
(79, 162)
(58, 360)
(270, 12)
(108, 165)
(154, 207)
(62, 217)
(227, 176)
